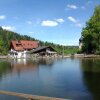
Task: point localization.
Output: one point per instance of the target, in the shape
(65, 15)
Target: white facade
(17, 54)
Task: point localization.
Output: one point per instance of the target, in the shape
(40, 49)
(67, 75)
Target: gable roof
(43, 48)
(17, 46)
(24, 45)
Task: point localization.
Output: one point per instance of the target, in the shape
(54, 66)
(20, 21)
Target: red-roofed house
(19, 49)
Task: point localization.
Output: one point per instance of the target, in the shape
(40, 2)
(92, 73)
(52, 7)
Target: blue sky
(57, 21)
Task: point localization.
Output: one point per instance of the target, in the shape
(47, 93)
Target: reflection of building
(21, 65)
(45, 51)
(19, 49)
(24, 65)
(46, 61)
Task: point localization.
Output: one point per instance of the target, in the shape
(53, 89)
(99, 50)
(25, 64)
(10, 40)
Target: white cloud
(2, 17)
(11, 28)
(72, 19)
(72, 6)
(60, 20)
(29, 22)
(49, 23)
(31, 32)
(75, 21)
(78, 24)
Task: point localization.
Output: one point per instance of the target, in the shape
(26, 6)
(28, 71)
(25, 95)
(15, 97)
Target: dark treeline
(7, 36)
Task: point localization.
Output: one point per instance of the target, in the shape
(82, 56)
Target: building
(44, 51)
(80, 43)
(19, 49)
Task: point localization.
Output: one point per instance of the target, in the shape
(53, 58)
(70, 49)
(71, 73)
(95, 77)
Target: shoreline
(86, 55)
(60, 56)
(3, 57)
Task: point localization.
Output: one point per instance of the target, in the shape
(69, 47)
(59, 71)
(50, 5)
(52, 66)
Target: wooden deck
(29, 96)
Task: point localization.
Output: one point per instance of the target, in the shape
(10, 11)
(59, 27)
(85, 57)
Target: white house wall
(18, 54)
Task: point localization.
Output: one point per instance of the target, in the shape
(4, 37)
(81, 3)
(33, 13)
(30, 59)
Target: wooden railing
(29, 96)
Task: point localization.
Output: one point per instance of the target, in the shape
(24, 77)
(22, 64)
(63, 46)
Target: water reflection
(90, 65)
(76, 79)
(23, 75)
(91, 76)
(21, 65)
(45, 61)
(5, 68)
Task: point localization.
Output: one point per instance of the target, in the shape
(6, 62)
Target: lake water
(71, 78)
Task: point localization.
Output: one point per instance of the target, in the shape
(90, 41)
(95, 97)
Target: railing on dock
(29, 96)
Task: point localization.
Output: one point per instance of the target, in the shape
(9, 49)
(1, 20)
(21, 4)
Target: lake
(71, 78)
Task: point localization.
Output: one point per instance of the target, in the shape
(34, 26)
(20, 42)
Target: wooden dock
(29, 96)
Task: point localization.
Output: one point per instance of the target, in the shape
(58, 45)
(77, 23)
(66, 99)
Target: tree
(91, 33)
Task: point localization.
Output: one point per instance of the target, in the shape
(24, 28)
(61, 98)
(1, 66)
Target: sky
(57, 21)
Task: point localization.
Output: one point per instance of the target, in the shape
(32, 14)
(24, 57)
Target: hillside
(7, 36)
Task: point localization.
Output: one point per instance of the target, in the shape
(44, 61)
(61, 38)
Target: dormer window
(18, 45)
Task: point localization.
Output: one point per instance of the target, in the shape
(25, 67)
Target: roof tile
(24, 45)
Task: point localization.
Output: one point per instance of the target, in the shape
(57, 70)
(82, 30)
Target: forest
(7, 36)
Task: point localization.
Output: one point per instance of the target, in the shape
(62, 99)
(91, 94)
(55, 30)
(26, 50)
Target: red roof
(24, 45)
(29, 44)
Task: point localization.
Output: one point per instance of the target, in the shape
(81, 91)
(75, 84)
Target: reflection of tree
(5, 67)
(91, 65)
(91, 76)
